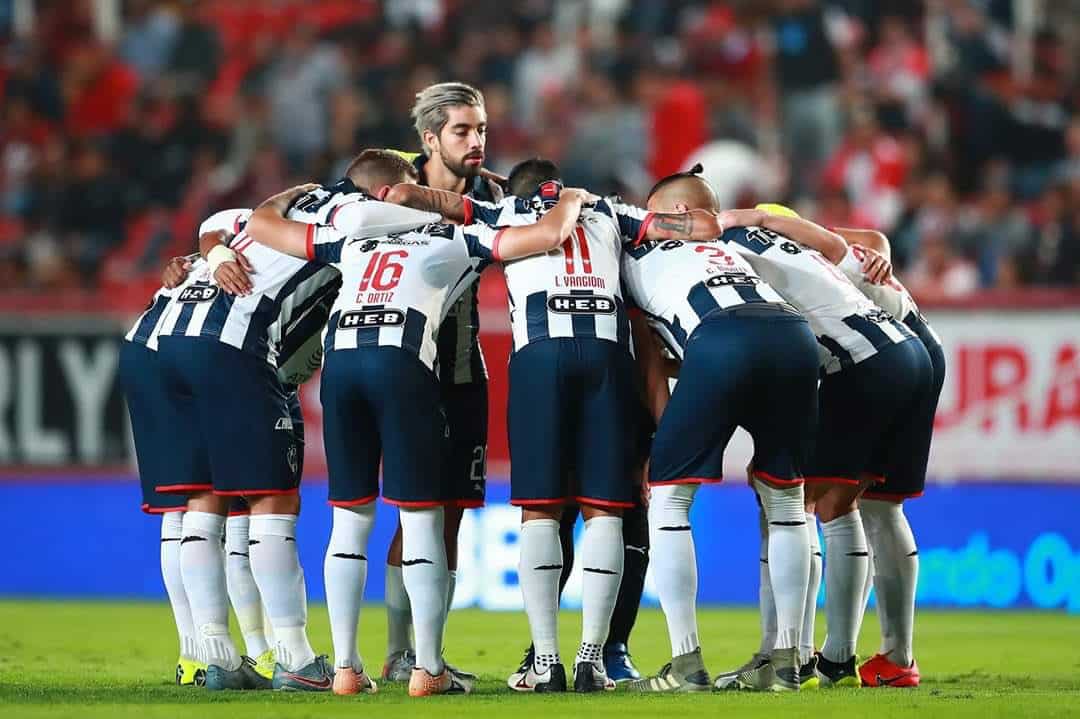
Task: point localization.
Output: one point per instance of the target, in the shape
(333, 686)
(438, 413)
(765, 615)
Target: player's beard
(459, 167)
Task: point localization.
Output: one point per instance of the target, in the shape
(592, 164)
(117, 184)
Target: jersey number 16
(382, 272)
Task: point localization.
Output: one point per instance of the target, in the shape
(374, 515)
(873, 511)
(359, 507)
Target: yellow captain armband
(409, 156)
(775, 209)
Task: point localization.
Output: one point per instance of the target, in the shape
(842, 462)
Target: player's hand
(233, 276)
(876, 268)
(175, 272)
(740, 218)
(577, 193)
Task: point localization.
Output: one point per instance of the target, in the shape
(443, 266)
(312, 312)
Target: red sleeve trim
(310, 242)
(495, 245)
(644, 229)
(468, 210)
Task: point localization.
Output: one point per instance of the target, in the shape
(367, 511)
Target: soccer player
(572, 405)
(894, 554)
(233, 435)
(451, 123)
(382, 344)
(748, 359)
(874, 368)
(140, 381)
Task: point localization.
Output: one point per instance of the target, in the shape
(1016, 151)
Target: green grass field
(91, 659)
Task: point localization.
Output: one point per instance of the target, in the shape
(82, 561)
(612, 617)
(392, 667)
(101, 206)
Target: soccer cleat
(618, 664)
(779, 674)
(461, 673)
(836, 674)
(314, 677)
(264, 664)
(527, 679)
(190, 673)
(728, 680)
(589, 677)
(879, 671)
(422, 684)
(808, 678)
(348, 681)
(684, 673)
(243, 677)
(399, 666)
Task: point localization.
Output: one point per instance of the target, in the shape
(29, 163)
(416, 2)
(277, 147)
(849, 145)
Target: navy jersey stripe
(331, 330)
(311, 321)
(412, 334)
(701, 300)
(837, 351)
(219, 312)
(748, 293)
(584, 325)
(255, 339)
(623, 329)
(149, 320)
(868, 329)
(478, 372)
(536, 316)
(675, 328)
(182, 322)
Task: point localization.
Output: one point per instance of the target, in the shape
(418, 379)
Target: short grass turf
(90, 659)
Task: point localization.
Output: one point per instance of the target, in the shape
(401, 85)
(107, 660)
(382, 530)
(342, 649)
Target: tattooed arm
(450, 205)
(692, 226)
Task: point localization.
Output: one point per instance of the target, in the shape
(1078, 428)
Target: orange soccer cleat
(879, 671)
(422, 684)
(348, 681)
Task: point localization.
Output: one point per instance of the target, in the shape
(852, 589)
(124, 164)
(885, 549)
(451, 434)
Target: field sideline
(96, 659)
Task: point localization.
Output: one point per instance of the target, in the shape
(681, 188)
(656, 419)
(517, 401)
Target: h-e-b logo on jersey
(198, 293)
(358, 319)
(581, 305)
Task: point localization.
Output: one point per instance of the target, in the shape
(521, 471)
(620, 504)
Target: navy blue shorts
(906, 478)
(144, 390)
(871, 415)
(754, 367)
(383, 403)
(231, 420)
(572, 404)
(466, 408)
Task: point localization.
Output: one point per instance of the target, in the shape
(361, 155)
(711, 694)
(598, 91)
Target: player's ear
(382, 192)
(431, 142)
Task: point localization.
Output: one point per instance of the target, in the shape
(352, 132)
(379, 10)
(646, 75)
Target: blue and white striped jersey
(286, 291)
(146, 328)
(575, 290)
(677, 284)
(398, 287)
(848, 326)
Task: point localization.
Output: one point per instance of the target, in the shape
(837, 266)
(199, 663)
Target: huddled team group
(766, 321)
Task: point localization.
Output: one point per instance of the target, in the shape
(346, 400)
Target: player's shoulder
(231, 221)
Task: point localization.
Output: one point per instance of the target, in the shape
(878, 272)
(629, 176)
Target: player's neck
(440, 177)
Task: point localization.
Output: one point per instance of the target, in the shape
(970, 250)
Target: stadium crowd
(938, 122)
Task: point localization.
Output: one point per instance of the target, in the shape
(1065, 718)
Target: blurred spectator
(807, 71)
(952, 126)
(195, 52)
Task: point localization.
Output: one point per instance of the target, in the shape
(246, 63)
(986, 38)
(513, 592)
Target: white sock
(172, 531)
(202, 564)
(539, 565)
(602, 551)
(845, 573)
(896, 576)
(423, 569)
(277, 571)
(345, 572)
(243, 592)
(806, 642)
(451, 584)
(789, 557)
(674, 563)
(766, 605)
(398, 613)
